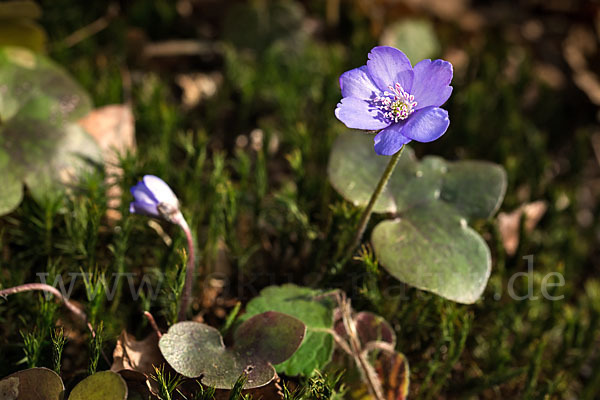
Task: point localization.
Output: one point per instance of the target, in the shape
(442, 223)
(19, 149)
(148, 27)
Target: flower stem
(364, 219)
(189, 272)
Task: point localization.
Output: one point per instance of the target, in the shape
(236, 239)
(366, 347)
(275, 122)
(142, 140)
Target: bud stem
(190, 270)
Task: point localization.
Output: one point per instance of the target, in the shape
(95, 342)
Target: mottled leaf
(40, 145)
(316, 313)
(197, 350)
(32, 384)
(105, 385)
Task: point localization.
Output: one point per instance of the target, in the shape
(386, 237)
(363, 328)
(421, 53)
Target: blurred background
(233, 104)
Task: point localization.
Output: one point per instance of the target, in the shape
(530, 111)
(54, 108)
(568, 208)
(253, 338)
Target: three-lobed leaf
(429, 244)
(197, 350)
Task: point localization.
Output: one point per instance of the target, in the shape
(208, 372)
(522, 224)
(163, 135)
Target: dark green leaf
(316, 313)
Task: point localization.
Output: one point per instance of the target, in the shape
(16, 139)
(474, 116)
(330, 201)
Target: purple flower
(388, 94)
(153, 197)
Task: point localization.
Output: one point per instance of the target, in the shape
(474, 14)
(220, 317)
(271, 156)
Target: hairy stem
(152, 323)
(366, 215)
(28, 287)
(190, 270)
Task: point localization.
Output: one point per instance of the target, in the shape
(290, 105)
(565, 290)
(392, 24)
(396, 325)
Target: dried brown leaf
(508, 223)
(139, 356)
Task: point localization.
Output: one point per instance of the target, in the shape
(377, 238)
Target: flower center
(396, 104)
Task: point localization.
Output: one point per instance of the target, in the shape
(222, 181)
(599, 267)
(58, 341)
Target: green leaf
(12, 194)
(317, 314)
(105, 385)
(32, 384)
(354, 170)
(40, 144)
(433, 249)
(474, 188)
(197, 350)
(416, 38)
(430, 246)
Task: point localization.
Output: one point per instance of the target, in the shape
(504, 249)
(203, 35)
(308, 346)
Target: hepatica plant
(153, 197)
(428, 243)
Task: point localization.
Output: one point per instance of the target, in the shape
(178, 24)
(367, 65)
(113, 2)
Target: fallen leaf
(508, 223)
(139, 356)
(197, 87)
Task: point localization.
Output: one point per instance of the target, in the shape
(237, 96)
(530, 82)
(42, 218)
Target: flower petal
(427, 124)
(357, 83)
(161, 191)
(405, 79)
(360, 114)
(139, 207)
(430, 86)
(142, 194)
(390, 140)
(385, 63)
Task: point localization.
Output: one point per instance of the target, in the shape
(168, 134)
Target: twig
(175, 48)
(93, 28)
(367, 371)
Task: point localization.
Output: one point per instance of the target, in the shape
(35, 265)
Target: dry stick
(367, 371)
(47, 288)
(364, 219)
(93, 28)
